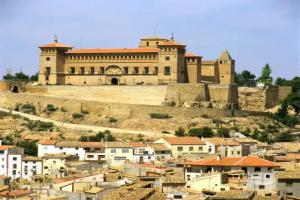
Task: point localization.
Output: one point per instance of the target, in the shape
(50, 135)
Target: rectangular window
(82, 70)
(167, 58)
(155, 70)
(167, 70)
(289, 183)
(90, 156)
(179, 148)
(261, 187)
(136, 70)
(72, 70)
(14, 166)
(14, 172)
(125, 150)
(45, 167)
(125, 70)
(1, 152)
(101, 70)
(257, 169)
(48, 58)
(200, 148)
(191, 148)
(146, 70)
(48, 70)
(14, 158)
(113, 151)
(92, 70)
(268, 176)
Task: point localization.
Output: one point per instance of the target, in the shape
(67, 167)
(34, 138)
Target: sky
(255, 32)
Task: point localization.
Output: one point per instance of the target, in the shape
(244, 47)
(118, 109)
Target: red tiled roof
(137, 144)
(248, 161)
(92, 144)
(5, 147)
(116, 50)
(190, 55)
(3, 177)
(170, 43)
(56, 45)
(15, 193)
(47, 142)
(184, 140)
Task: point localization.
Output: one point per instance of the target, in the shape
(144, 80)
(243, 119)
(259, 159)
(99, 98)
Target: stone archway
(114, 81)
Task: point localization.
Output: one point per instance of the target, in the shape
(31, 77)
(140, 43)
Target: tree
(201, 132)
(265, 76)
(223, 132)
(21, 76)
(8, 77)
(30, 147)
(34, 77)
(245, 78)
(180, 132)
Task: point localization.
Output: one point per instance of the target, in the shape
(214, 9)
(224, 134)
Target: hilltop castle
(155, 61)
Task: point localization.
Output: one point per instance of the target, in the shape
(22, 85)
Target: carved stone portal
(113, 70)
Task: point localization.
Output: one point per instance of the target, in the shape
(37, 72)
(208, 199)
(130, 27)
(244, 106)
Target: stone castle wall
(114, 109)
(4, 86)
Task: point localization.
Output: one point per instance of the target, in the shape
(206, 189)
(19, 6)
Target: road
(83, 127)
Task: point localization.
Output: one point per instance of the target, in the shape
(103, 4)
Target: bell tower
(226, 68)
(52, 60)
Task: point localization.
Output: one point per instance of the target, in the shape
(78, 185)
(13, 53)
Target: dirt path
(84, 127)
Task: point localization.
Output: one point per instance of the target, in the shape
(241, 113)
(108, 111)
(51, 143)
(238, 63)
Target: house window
(268, 176)
(14, 158)
(179, 148)
(167, 70)
(48, 58)
(92, 69)
(14, 172)
(101, 70)
(47, 78)
(90, 156)
(14, 166)
(136, 70)
(167, 58)
(45, 167)
(200, 148)
(257, 169)
(113, 150)
(289, 183)
(82, 70)
(76, 148)
(147, 43)
(155, 70)
(238, 152)
(1, 152)
(191, 148)
(146, 70)
(125, 150)
(125, 70)
(261, 187)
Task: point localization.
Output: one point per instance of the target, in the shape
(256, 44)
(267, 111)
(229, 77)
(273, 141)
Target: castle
(156, 61)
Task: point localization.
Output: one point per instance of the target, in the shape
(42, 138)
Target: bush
(77, 115)
(180, 132)
(159, 115)
(39, 125)
(50, 108)
(201, 132)
(8, 140)
(101, 136)
(26, 108)
(285, 137)
(204, 116)
(112, 120)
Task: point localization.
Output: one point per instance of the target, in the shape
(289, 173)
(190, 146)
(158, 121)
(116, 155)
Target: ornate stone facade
(156, 61)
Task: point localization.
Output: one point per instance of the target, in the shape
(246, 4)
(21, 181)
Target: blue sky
(255, 32)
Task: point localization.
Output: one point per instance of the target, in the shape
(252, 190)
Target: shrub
(180, 132)
(159, 115)
(77, 115)
(285, 137)
(50, 108)
(39, 125)
(201, 132)
(101, 136)
(30, 147)
(223, 132)
(112, 120)
(27, 108)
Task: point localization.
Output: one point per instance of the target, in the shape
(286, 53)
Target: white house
(94, 151)
(14, 162)
(31, 166)
(4, 159)
(142, 153)
(161, 151)
(226, 147)
(46, 147)
(116, 153)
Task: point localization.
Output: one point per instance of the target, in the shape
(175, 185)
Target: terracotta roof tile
(68, 144)
(117, 145)
(5, 147)
(116, 50)
(170, 43)
(222, 141)
(92, 144)
(47, 142)
(184, 140)
(159, 147)
(137, 144)
(32, 158)
(191, 55)
(15, 193)
(249, 161)
(56, 45)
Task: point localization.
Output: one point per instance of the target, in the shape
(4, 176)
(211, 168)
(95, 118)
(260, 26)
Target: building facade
(155, 61)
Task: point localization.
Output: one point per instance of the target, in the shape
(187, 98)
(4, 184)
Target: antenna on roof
(154, 32)
(172, 36)
(55, 39)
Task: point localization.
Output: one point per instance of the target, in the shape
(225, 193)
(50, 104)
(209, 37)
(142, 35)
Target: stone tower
(226, 67)
(52, 63)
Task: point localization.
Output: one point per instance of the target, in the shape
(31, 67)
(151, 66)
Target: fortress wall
(4, 86)
(223, 93)
(115, 109)
(187, 92)
(284, 91)
(34, 89)
(258, 98)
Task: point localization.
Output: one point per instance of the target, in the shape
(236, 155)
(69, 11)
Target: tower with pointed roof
(226, 68)
(52, 63)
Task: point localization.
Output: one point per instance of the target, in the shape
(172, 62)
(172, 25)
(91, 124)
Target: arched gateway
(113, 71)
(114, 81)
